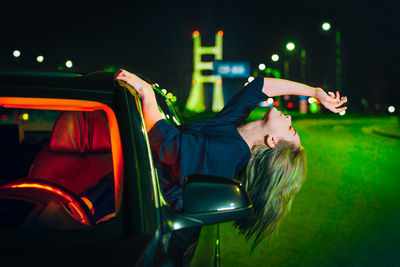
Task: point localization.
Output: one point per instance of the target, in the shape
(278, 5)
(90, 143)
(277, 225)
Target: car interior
(56, 169)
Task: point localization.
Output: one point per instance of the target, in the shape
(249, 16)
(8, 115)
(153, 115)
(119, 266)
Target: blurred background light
(16, 53)
(275, 57)
(24, 116)
(261, 66)
(250, 79)
(290, 46)
(69, 64)
(40, 58)
(391, 109)
(341, 113)
(326, 26)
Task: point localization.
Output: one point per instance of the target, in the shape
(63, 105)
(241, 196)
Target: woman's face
(280, 126)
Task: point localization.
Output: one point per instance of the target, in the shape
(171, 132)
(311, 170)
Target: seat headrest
(82, 132)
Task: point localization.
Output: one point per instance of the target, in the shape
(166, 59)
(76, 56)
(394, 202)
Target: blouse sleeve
(168, 142)
(239, 107)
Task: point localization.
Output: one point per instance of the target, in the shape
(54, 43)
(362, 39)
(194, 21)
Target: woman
(265, 155)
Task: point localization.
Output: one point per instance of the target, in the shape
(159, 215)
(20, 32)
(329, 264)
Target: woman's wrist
(317, 92)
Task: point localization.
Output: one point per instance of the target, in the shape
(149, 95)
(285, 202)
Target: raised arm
(151, 113)
(275, 87)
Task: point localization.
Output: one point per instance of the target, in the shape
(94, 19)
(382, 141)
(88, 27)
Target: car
(78, 185)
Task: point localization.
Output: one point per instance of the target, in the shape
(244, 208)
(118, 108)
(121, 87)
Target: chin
(267, 114)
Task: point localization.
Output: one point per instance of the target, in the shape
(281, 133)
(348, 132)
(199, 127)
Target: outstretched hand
(138, 84)
(331, 101)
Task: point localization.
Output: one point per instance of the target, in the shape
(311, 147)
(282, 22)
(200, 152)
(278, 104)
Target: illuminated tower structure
(196, 97)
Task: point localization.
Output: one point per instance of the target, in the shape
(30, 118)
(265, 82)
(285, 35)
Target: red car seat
(79, 152)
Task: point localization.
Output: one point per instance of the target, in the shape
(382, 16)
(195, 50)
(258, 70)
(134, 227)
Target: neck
(250, 133)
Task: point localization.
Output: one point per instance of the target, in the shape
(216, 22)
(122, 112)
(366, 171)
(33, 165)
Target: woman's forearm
(151, 112)
(276, 87)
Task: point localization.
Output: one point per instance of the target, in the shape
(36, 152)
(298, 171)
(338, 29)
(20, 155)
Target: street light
(40, 58)
(16, 53)
(326, 26)
(275, 57)
(69, 64)
(290, 46)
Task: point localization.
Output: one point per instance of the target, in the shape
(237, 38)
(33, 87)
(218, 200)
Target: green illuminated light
(314, 107)
(195, 101)
(275, 57)
(326, 26)
(290, 46)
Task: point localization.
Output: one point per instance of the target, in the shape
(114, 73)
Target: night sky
(154, 38)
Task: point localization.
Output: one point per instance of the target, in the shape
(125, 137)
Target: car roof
(96, 86)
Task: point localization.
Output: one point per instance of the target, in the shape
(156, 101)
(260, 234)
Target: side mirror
(208, 200)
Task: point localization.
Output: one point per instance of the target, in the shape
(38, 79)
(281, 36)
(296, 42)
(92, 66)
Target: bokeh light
(261, 66)
(391, 109)
(24, 116)
(69, 64)
(16, 53)
(326, 26)
(275, 57)
(40, 58)
(290, 46)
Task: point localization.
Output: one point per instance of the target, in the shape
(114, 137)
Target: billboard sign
(231, 69)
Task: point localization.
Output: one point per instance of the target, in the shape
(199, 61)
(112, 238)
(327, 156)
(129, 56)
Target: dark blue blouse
(213, 146)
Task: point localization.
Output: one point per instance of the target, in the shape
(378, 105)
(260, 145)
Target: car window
(56, 169)
(167, 109)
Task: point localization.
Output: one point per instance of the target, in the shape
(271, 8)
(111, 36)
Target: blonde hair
(272, 178)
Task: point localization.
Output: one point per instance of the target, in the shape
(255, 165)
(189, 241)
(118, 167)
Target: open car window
(167, 110)
(58, 168)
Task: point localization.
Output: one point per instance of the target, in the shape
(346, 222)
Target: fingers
(337, 110)
(118, 72)
(341, 102)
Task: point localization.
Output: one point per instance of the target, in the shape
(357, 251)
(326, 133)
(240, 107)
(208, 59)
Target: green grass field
(348, 210)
